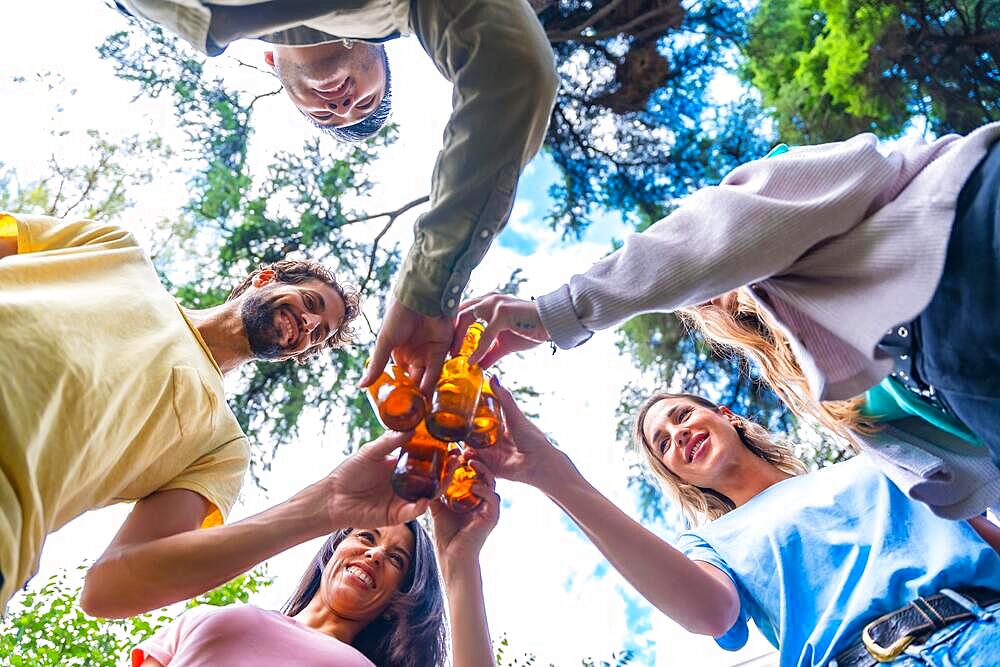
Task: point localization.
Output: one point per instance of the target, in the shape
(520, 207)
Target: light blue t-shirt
(815, 558)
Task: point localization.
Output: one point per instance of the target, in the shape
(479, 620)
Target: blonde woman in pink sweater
(834, 267)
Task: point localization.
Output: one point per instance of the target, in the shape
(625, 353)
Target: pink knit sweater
(845, 242)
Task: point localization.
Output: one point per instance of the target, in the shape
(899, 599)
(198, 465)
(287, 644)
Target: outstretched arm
(697, 595)
(496, 55)
(459, 539)
(159, 557)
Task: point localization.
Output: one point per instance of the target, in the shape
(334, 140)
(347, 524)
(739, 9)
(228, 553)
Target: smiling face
(695, 442)
(333, 85)
(365, 571)
(283, 321)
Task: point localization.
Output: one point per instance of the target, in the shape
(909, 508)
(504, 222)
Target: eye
(397, 560)
(664, 445)
(365, 536)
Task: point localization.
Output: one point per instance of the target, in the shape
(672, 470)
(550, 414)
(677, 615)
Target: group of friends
(862, 284)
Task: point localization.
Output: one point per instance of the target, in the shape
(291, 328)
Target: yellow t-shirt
(107, 392)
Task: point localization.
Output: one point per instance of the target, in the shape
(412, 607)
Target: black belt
(885, 638)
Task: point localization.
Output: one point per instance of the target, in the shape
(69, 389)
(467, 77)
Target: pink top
(243, 635)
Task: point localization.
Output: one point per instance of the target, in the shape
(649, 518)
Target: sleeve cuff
(427, 287)
(560, 319)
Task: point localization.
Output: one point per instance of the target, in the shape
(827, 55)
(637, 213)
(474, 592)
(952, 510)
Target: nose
(375, 554)
(681, 437)
(341, 107)
(310, 321)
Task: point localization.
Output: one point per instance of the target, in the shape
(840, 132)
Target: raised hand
(417, 342)
(359, 490)
(460, 537)
(522, 453)
(512, 325)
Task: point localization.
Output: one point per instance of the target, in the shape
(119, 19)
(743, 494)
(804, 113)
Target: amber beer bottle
(397, 400)
(488, 421)
(420, 467)
(457, 483)
(457, 392)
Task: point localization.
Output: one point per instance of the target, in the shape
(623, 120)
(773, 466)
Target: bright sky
(546, 587)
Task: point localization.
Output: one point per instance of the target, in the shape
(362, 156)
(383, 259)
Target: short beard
(258, 322)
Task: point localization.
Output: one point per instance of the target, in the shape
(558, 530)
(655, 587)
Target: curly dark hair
(295, 271)
(413, 633)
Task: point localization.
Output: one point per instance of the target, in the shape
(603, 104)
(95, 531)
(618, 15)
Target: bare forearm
(987, 530)
(8, 246)
(671, 582)
(138, 577)
(470, 632)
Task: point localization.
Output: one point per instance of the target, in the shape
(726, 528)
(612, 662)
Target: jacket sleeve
(188, 19)
(497, 57)
(763, 217)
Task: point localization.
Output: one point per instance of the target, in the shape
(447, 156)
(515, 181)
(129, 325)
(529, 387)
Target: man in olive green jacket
(330, 58)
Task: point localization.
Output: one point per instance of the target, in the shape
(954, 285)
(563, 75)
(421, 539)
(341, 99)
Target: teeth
(697, 448)
(362, 575)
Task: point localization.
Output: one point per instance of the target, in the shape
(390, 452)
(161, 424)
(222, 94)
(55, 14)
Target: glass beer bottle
(457, 483)
(488, 421)
(397, 401)
(420, 466)
(457, 392)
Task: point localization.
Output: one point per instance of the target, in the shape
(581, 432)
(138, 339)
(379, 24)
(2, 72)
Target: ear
(729, 414)
(269, 58)
(263, 277)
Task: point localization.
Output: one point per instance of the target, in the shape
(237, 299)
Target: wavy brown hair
(296, 271)
(699, 504)
(740, 325)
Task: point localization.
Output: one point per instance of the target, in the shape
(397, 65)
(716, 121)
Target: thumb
(385, 444)
(379, 358)
(511, 412)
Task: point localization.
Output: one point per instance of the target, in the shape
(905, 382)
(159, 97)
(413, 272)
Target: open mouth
(695, 445)
(288, 328)
(362, 574)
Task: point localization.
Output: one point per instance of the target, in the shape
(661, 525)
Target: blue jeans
(972, 643)
(959, 331)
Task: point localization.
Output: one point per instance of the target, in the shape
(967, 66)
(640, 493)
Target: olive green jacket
(496, 55)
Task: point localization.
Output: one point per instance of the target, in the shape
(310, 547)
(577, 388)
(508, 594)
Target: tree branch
(254, 100)
(577, 36)
(393, 216)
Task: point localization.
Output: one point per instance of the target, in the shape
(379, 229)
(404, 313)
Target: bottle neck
(471, 340)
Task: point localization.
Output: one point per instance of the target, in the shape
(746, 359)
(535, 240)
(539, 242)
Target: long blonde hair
(697, 503)
(741, 325)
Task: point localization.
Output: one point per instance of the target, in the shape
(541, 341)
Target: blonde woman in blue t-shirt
(834, 565)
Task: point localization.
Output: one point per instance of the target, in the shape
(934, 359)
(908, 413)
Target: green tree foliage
(97, 188)
(832, 68)
(635, 124)
(47, 628)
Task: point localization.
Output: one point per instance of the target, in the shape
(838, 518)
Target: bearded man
(110, 391)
